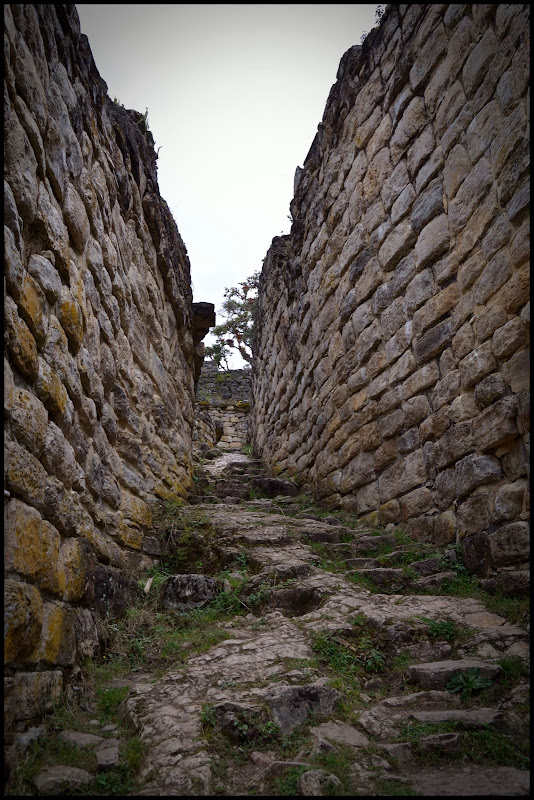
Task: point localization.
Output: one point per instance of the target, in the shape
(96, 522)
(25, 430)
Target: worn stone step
(469, 718)
(436, 674)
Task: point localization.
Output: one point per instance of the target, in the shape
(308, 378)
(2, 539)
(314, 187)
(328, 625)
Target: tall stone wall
(392, 359)
(98, 355)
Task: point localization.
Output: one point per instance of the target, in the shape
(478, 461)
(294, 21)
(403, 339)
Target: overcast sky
(234, 95)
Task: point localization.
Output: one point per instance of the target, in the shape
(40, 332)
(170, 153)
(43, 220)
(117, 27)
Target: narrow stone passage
(344, 659)
(349, 660)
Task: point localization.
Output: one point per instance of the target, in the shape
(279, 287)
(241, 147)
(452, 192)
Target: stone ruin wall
(98, 358)
(223, 407)
(392, 361)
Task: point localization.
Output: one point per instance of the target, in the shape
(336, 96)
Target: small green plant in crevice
(444, 629)
(467, 682)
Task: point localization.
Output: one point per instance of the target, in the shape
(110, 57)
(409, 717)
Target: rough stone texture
(222, 409)
(99, 346)
(389, 365)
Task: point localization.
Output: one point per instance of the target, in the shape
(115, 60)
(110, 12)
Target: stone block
(60, 507)
(496, 425)
(57, 646)
(23, 618)
(435, 308)
(29, 420)
(391, 424)
(514, 292)
(25, 475)
(489, 389)
(478, 61)
(415, 409)
(76, 218)
(476, 553)
(509, 500)
(516, 372)
(415, 503)
(509, 338)
(424, 378)
(472, 515)
(455, 443)
(477, 365)
(433, 341)
(433, 240)
(411, 123)
(368, 498)
(21, 344)
(445, 390)
(494, 275)
(403, 475)
(359, 472)
(475, 470)
(463, 407)
(33, 308)
(396, 245)
(509, 545)
(469, 195)
(445, 528)
(428, 205)
(76, 568)
(385, 454)
(487, 321)
(390, 512)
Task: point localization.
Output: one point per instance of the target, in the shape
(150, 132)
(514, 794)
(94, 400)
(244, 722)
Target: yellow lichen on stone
(71, 318)
(58, 639)
(136, 510)
(32, 303)
(23, 545)
(51, 390)
(372, 519)
(131, 537)
(23, 619)
(73, 570)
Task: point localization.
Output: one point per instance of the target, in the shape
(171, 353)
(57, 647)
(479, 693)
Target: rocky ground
(305, 655)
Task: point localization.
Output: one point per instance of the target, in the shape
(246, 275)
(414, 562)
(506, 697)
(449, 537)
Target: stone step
(436, 674)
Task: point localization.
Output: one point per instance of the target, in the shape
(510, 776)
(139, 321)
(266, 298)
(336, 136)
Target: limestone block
(456, 442)
(76, 218)
(464, 341)
(377, 173)
(397, 345)
(512, 131)
(370, 279)
(415, 502)
(435, 308)
(516, 371)
(411, 123)
(489, 389)
(60, 507)
(403, 204)
(420, 150)
(509, 500)
(29, 420)
(435, 425)
(477, 63)
(510, 544)
(76, 568)
(359, 472)
(463, 407)
(445, 528)
(379, 138)
(23, 544)
(472, 515)
(435, 45)
(469, 195)
(385, 454)
(389, 512)
(415, 409)
(23, 610)
(509, 338)
(494, 275)
(396, 246)
(21, 167)
(58, 640)
(514, 292)
(496, 424)
(46, 275)
(54, 230)
(71, 318)
(487, 321)
(391, 424)
(13, 269)
(477, 365)
(403, 475)
(25, 475)
(469, 270)
(432, 241)
(59, 459)
(20, 342)
(425, 377)
(433, 341)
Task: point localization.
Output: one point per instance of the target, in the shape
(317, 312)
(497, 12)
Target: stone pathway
(220, 722)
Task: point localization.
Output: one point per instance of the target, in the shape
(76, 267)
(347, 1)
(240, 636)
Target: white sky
(234, 95)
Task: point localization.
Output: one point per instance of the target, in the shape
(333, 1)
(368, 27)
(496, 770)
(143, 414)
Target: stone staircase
(352, 669)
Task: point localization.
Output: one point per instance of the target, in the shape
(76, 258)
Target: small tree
(236, 332)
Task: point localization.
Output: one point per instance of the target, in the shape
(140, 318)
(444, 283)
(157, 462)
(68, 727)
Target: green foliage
(444, 629)
(467, 682)
(109, 700)
(236, 333)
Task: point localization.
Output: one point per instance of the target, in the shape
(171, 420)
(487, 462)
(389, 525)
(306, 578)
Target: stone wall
(392, 359)
(98, 358)
(224, 396)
